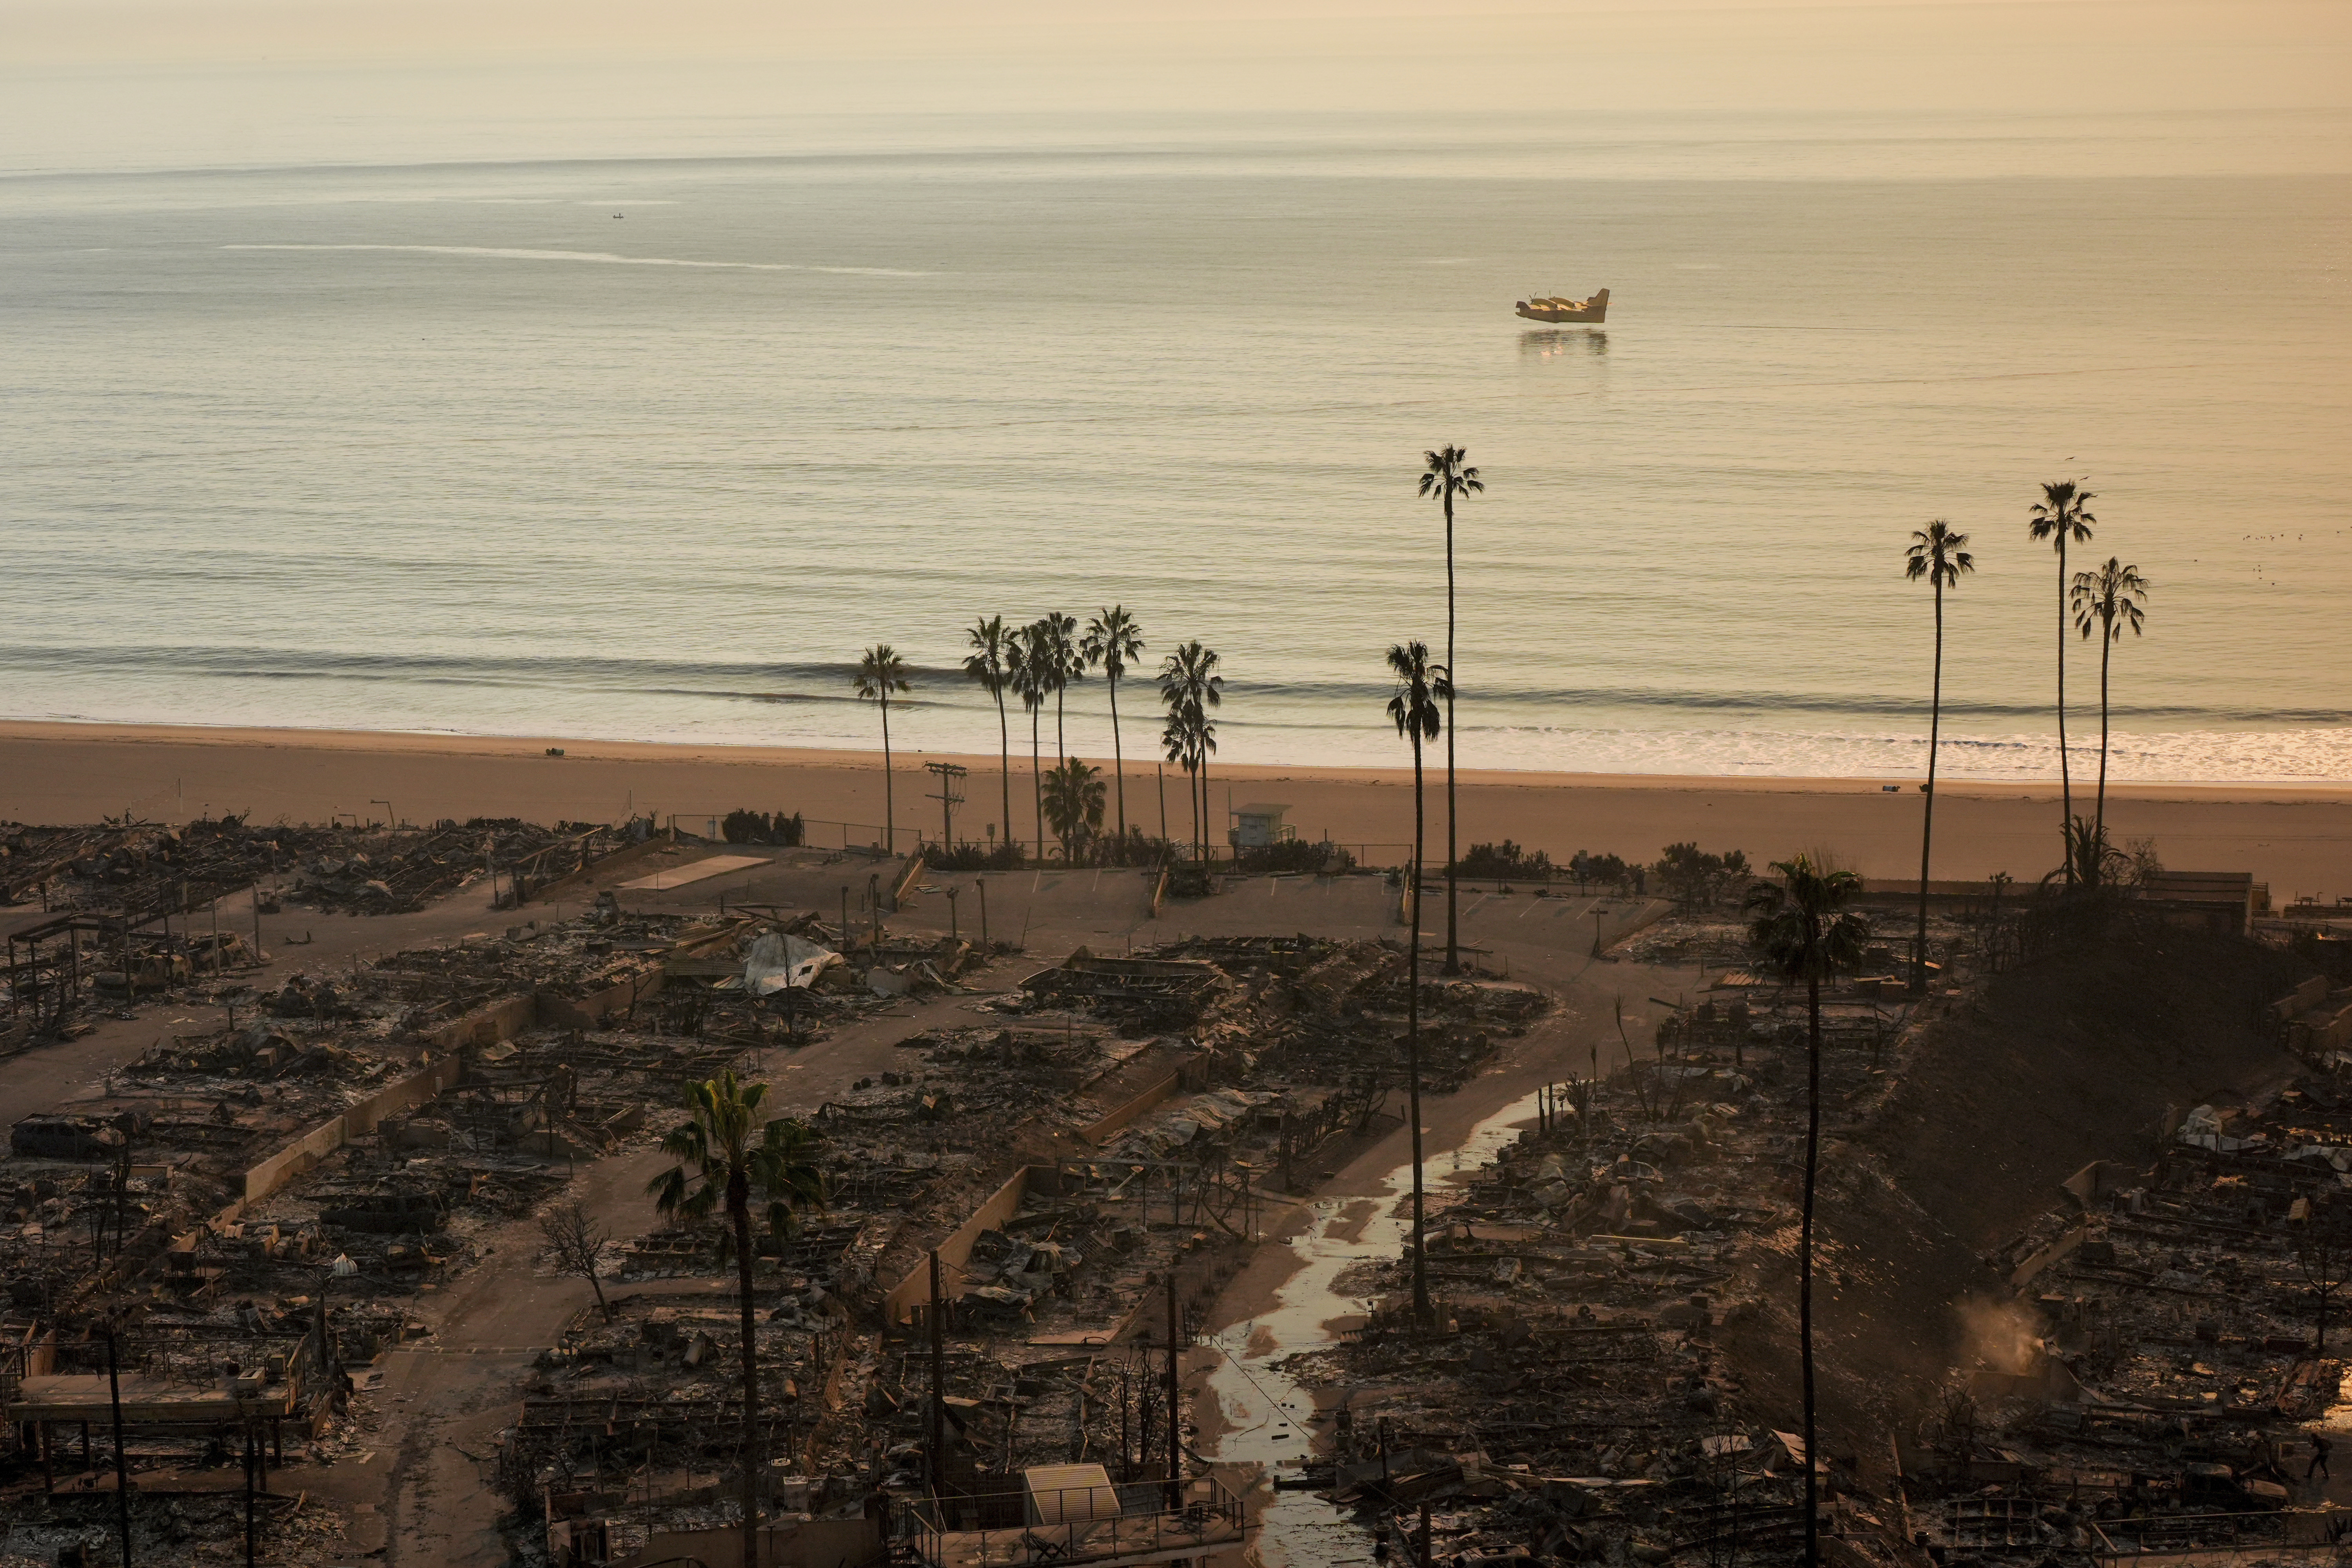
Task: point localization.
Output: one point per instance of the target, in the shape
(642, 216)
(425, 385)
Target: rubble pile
(143, 869)
(1304, 1010)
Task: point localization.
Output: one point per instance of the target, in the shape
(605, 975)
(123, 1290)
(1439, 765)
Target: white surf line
(605, 257)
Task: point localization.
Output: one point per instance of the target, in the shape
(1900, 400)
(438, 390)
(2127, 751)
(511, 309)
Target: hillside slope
(1966, 1138)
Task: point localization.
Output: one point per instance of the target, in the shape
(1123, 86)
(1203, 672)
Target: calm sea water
(649, 448)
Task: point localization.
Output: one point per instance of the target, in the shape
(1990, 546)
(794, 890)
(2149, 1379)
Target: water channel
(1266, 1412)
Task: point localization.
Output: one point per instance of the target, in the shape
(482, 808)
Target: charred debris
(134, 911)
(1087, 1164)
(223, 1239)
(2137, 1367)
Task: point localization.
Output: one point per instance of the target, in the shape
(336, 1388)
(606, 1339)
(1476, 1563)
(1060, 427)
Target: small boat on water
(1585, 313)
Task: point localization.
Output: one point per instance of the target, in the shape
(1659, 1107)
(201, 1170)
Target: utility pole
(938, 1385)
(982, 886)
(948, 774)
(121, 1464)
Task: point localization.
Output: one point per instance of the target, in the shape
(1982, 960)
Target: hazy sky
(136, 80)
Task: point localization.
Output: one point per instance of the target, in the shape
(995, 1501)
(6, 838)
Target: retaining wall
(899, 1306)
(1113, 1120)
(574, 881)
(299, 1156)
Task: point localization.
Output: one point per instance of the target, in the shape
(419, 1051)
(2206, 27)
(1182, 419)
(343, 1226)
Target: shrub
(1296, 855)
(1690, 876)
(758, 827)
(970, 857)
(1504, 860)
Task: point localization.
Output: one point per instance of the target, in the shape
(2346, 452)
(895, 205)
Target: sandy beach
(2298, 839)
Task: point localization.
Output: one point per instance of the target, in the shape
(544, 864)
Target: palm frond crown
(1940, 553)
(1421, 686)
(989, 663)
(725, 1154)
(1801, 924)
(1114, 641)
(2110, 598)
(880, 671)
(1446, 473)
(2063, 515)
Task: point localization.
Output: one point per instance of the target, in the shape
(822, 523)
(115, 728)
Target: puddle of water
(1264, 1411)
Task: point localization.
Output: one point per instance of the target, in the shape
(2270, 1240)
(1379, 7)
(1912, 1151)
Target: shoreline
(2297, 837)
(458, 743)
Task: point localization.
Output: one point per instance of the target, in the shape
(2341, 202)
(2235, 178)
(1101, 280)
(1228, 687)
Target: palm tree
(1114, 641)
(1445, 476)
(2108, 600)
(1190, 685)
(1073, 803)
(1413, 707)
(724, 1155)
(1062, 664)
(1806, 933)
(2063, 516)
(880, 671)
(1939, 552)
(994, 650)
(1030, 664)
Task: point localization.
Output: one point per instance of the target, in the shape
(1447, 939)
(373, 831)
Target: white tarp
(2203, 1131)
(779, 961)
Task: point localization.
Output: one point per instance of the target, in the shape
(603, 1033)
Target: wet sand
(2298, 838)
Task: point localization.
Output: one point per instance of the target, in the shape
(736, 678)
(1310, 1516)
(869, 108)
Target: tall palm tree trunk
(2065, 769)
(1927, 821)
(1004, 761)
(889, 809)
(1208, 842)
(1037, 779)
(1420, 1312)
(739, 1213)
(1453, 900)
(1061, 752)
(1805, 1260)
(1192, 795)
(2107, 653)
(1119, 763)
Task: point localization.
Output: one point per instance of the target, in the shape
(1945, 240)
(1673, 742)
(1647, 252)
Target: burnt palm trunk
(1005, 759)
(1037, 777)
(1208, 843)
(890, 813)
(1927, 819)
(739, 1211)
(2065, 769)
(1119, 763)
(2106, 655)
(1805, 1258)
(1192, 790)
(1453, 945)
(1420, 1311)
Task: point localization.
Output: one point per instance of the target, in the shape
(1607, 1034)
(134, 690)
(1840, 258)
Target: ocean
(649, 447)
